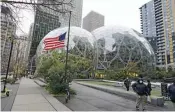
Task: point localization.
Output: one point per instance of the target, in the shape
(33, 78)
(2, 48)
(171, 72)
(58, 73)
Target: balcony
(158, 15)
(159, 61)
(160, 39)
(160, 32)
(160, 36)
(160, 44)
(157, 8)
(169, 28)
(157, 1)
(159, 25)
(162, 50)
(158, 12)
(159, 58)
(160, 47)
(160, 54)
(158, 19)
(160, 29)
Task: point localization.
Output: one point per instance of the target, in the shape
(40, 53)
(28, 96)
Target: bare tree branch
(59, 6)
(32, 3)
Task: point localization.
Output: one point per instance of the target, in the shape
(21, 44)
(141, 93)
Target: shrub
(52, 68)
(81, 76)
(11, 80)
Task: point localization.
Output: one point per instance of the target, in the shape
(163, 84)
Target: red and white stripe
(51, 39)
(52, 43)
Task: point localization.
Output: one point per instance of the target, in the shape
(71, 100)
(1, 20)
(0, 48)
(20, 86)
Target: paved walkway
(7, 102)
(89, 99)
(130, 105)
(31, 97)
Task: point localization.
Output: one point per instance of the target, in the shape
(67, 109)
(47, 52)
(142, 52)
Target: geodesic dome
(117, 47)
(80, 41)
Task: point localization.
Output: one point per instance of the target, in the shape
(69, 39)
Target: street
(88, 99)
(7, 102)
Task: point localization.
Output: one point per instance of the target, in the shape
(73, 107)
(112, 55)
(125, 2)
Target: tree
(18, 62)
(61, 7)
(52, 68)
(170, 69)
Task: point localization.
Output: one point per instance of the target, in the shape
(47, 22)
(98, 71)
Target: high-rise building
(44, 23)
(92, 21)
(76, 16)
(158, 20)
(29, 39)
(29, 46)
(72, 5)
(8, 31)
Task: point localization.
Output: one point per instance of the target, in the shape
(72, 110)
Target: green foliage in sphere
(52, 68)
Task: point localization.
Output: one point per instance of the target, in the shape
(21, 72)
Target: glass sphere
(80, 41)
(118, 47)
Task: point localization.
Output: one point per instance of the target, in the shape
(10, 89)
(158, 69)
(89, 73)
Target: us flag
(55, 42)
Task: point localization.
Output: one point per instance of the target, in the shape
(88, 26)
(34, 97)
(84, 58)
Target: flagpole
(67, 48)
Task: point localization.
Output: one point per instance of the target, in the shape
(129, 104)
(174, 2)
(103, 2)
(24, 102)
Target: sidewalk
(129, 95)
(31, 97)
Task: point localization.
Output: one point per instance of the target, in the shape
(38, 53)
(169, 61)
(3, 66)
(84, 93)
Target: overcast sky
(116, 12)
(121, 12)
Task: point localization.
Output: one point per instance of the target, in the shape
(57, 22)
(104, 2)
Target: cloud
(122, 12)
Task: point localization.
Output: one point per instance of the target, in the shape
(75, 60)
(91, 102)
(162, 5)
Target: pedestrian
(142, 92)
(127, 83)
(171, 92)
(149, 87)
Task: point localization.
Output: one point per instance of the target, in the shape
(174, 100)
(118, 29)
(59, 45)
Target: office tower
(76, 17)
(8, 30)
(29, 46)
(44, 23)
(92, 21)
(72, 5)
(158, 20)
(29, 39)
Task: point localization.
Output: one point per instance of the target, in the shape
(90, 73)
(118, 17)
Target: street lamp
(8, 66)
(11, 48)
